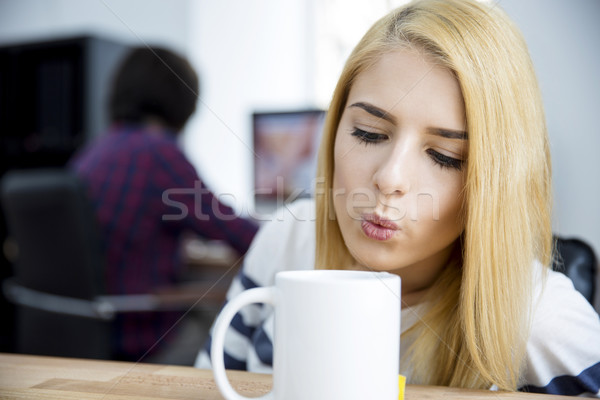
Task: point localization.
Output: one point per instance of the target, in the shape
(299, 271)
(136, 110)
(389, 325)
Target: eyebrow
(375, 111)
(448, 133)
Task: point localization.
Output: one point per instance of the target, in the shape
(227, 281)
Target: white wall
(563, 38)
(132, 21)
(252, 55)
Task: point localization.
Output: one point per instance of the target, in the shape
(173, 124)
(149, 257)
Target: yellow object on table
(401, 385)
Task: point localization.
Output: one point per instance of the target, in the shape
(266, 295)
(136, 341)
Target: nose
(394, 171)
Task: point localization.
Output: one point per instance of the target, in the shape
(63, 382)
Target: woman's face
(399, 155)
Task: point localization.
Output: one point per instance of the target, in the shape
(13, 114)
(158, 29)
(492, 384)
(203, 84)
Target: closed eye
(445, 161)
(368, 137)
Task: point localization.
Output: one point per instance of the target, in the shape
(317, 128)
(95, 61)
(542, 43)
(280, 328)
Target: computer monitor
(286, 144)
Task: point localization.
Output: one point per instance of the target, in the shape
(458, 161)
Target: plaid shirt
(146, 194)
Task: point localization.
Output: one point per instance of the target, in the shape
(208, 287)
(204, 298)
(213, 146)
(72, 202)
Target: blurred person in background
(146, 193)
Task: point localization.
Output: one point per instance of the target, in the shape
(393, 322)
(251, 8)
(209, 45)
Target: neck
(412, 298)
(418, 278)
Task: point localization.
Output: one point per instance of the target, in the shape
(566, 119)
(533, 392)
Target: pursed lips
(378, 228)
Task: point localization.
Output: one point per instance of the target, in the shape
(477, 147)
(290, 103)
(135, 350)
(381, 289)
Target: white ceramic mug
(337, 335)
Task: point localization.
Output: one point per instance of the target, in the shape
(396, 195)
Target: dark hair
(154, 83)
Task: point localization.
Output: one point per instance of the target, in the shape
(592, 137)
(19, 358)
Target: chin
(376, 259)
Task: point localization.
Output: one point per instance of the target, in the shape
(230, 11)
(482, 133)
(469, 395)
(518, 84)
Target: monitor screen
(286, 146)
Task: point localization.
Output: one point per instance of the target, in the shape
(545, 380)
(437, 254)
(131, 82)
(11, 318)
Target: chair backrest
(576, 259)
(53, 224)
(59, 252)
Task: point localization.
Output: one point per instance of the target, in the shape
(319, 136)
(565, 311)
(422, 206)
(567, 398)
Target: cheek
(449, 206)
(339, 183)
(340, 164)
(351, 165)
(345, 181)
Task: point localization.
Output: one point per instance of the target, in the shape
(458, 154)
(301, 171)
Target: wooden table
(52, 378)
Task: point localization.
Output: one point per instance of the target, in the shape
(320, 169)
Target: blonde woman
(435, 165)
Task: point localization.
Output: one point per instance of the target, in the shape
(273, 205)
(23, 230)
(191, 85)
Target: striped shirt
(146, 194)
(563, 350)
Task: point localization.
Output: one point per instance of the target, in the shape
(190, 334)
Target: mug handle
(251, 296)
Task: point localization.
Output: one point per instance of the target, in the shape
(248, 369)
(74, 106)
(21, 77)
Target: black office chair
(58, 266)
(576, 259)
(62, 308)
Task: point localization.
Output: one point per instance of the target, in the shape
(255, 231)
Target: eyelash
(368, 137)
(442, 160)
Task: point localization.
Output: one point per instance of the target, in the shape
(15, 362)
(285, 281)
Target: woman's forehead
(405, 84)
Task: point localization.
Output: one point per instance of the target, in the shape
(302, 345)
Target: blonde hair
(475, 332)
